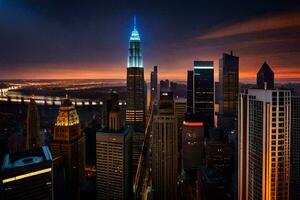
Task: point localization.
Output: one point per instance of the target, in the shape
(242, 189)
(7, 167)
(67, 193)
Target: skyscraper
(113, 155)
(33, 138)
(165, 149)
(264, 144)
(153, 83)
(200, 91)
(265, 77)
(27, 175)
(135, 111)
(193, 144)
(68, 148)
(229, 90)
(295, 148)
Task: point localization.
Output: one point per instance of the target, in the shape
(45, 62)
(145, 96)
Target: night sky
(89, 39)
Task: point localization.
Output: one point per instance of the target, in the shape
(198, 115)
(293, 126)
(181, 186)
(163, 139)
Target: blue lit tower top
(135, 58)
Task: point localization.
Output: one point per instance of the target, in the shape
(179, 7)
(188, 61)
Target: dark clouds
(92, 36)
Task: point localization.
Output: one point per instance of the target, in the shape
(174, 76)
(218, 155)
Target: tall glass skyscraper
(200, 91)
(135, 111)
(229, 90)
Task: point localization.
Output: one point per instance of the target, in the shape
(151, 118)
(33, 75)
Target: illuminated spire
(135, 58)
(134, 34)
(134, 22)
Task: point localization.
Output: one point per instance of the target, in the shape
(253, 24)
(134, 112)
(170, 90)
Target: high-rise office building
(68, 148)
(229, 90)
(295, 148)
(33, 138)
(135, 110)
(153, 83)
(113, 155)
(265, 77)
(27, 175)
(165, 149)
(218, 150)
(200, 91)
(264, 144)
(192, 144)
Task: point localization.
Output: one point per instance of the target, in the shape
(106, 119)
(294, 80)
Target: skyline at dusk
(150, 100)
(59, 40)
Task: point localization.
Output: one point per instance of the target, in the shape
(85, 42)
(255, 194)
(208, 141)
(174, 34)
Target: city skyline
(52, 40)
(175, 120)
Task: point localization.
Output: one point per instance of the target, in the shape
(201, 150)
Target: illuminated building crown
(135, 58)
(67, 115)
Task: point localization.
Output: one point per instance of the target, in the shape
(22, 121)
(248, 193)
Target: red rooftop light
(194, 124)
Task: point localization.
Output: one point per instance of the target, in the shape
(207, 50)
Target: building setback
(113, 155)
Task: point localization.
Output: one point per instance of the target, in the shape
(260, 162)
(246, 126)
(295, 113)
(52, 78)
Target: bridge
(50, 101)
(53, 101)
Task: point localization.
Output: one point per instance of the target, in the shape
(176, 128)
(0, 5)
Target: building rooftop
(107, 131)
(26, 158)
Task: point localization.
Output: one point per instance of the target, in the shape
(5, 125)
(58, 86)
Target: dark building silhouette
(192, 144)
(164, 85)
(265, 77)
(33, 138)
(153, 83)
(211, 184)
(110, 101)
(136, 102)
(200, 92)
(165, 149)
(68, 148)
(190, 89)
(295, 149)
(229, 90)
(27, 175)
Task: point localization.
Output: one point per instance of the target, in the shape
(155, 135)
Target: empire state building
(135, 111)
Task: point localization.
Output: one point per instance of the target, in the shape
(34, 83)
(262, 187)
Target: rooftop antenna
(134, 22)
